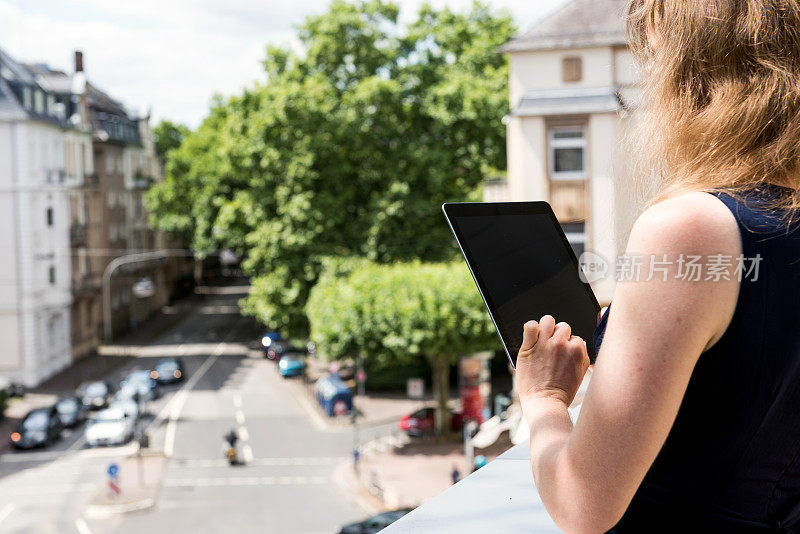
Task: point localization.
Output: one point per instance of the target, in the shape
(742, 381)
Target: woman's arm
(658, 329)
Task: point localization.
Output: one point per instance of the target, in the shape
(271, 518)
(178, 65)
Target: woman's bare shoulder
(690, 223)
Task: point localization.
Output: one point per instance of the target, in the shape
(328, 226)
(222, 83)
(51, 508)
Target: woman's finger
(562, 331)
(547, 326)
(530, 335)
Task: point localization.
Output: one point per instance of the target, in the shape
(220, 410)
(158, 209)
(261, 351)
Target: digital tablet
(524, 268)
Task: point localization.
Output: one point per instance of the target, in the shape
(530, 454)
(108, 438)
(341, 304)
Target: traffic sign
(113, 470)
(361, 376)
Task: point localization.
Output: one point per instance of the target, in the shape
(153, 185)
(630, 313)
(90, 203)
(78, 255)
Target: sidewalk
(407, 476)
(140, 482)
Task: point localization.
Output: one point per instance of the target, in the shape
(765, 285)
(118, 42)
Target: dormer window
(571, 69)
(38, 101)
(27, 101)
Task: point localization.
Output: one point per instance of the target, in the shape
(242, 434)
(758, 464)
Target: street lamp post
(112, 266)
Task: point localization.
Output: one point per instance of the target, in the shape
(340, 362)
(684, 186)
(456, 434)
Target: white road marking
(42, 489)
(6, 511)
(237, 401)
(81, 526)
(244, 481)
(266, 462)
(100, 452)
(239, 417)
(179, 400)
(243, 435)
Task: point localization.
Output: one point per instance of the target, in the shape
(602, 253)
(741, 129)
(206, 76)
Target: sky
(172, 56)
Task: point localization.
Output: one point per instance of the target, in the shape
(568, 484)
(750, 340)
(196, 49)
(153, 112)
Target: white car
(111, 426)
(126, 404)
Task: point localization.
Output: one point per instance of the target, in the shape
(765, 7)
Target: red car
(422, 422)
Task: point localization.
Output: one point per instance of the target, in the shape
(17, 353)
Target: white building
(571, 83)
(34, 229)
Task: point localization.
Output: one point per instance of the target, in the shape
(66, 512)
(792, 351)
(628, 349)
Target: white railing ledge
(500, 497)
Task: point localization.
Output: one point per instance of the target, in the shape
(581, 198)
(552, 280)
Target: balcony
(91, 180)
(500, 497)
(77, 234)
(86, 284)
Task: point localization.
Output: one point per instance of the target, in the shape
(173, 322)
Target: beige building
(571, 84)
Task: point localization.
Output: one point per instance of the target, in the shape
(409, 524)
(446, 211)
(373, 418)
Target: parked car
(142, 382)
(169, 370)
(124, 401)
(423, 422)
(39, 428)
(291, 364)
(375, 523)
(71, 411)
(111, 426)
(268, 339)
(333, 396)
(277, 349)
(94, 395)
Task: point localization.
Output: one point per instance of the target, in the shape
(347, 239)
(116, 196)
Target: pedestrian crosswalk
(200, 482)
(261, 462)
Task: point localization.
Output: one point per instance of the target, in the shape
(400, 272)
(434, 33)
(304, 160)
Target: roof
(16, 80)
(50, 79)
(577, 24)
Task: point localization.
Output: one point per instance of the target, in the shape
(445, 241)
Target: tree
(348, 148)
(396, 312)
(167, 136)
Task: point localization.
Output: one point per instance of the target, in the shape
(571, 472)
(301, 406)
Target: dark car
(277, 349)
(94, 395)
(422, 422)
(39, 428)
(268, 339)
(168, 371)
(71, 411)
(142, 382)
(375, 523)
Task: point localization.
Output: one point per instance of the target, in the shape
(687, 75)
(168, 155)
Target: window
(38, 102)
(26, 97)
(49, 216)
(51, 275)
(571, 69)
(567, 147)
(576, 235)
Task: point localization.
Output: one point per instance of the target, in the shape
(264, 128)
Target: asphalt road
(286, 485)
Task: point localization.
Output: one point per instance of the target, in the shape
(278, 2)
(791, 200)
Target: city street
(285, 486)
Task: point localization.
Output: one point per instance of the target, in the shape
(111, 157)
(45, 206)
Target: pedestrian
(455, 475)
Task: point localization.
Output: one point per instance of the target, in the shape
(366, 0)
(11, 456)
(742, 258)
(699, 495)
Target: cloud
(173, 56)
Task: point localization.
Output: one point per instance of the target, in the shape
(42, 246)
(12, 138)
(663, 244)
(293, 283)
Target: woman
(691, 422)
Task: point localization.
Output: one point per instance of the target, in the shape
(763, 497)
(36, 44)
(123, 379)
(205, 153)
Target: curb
(99, 511)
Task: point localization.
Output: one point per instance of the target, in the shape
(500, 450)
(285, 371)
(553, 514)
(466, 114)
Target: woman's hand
(551, 362)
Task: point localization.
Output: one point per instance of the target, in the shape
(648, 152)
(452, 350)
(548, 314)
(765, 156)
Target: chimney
(78, 61)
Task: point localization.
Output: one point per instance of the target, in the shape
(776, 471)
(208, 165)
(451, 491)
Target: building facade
(35, 296)
(572, 82)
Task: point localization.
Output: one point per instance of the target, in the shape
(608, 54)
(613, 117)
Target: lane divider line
(6, 511)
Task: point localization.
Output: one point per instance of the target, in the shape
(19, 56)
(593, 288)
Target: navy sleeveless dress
(731, 462)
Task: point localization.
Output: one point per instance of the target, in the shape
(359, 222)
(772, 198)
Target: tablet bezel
(471, 209)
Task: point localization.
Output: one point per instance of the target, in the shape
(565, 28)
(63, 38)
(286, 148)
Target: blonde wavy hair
(721, 104)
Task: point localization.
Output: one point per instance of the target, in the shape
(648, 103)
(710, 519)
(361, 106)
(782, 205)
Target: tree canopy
(398, 312)
(347, 149)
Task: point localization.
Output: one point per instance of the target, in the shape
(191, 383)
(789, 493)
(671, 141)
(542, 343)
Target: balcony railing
(86, 284)
(77, 234)
(500, 497)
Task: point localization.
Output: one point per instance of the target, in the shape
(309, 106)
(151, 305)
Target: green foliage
(167, 136)
(400, 311)
(348, 149)
(392, 314)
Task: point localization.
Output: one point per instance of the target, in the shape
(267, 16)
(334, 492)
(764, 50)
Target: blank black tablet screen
(525, 269)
